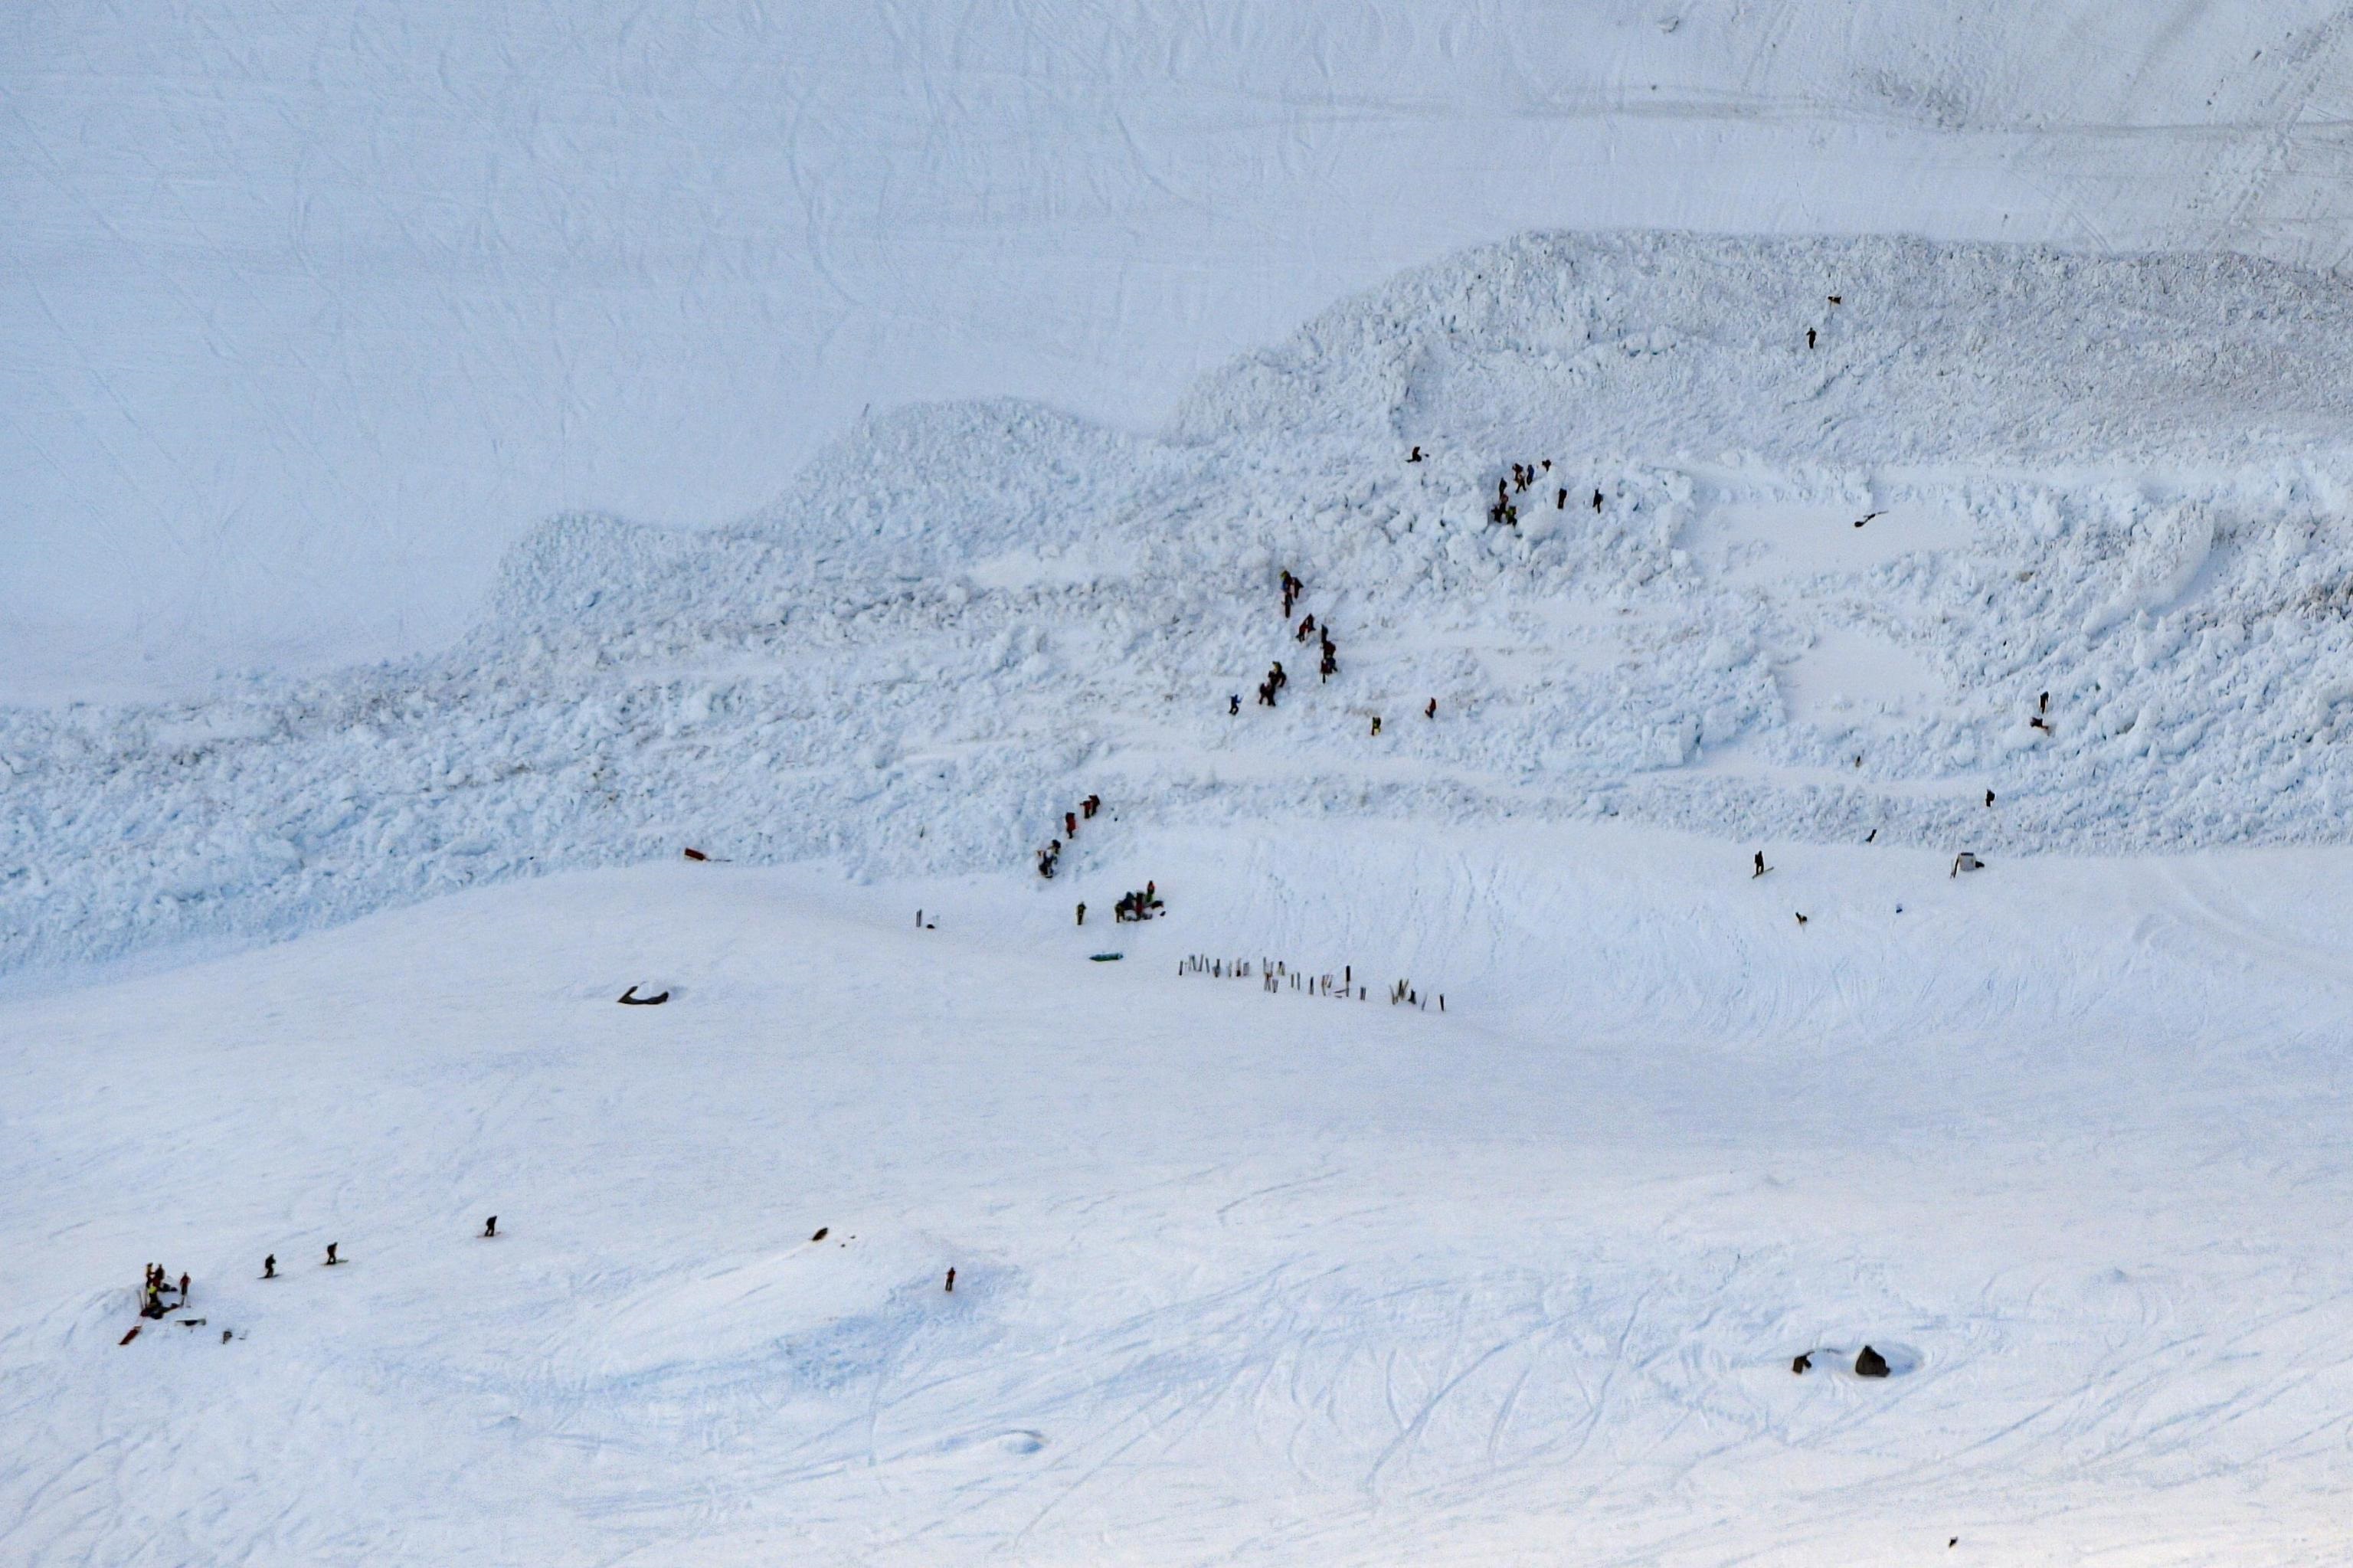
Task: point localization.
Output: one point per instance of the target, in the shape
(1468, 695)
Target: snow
(1241, 1277)
(964, 617)
(307, 315)
(466, 461)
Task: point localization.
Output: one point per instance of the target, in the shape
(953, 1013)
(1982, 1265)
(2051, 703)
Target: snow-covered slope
(2120, 483)
(1241, 1277)
(306, 313)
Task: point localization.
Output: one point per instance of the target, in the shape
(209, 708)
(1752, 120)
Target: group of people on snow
(158, 1283)
(1049, 859)
(1141, 905)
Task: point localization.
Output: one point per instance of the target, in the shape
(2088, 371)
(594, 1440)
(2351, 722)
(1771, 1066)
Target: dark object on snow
(1803, 1365)
(1431, 711)
(1082, 914)
(1105, 957)
(1870, 1363)
(1560, 502)
(1761, 867)
(2042, 703)
(1988, 797)
(1233, 704)
(184, 1289)
(1069, 825)
(1810, 337)
(489, 1227)
(630, 998)
(1965, 861)
(192, 1322)
(1416, 456)
(695, 855)
(224, 1336)
(1596, 501)
(1376, 724)
(129, 1337)
(951, 1279)
(821, 1233)
(1801, 920)
(1867, 517)
(1836, 299)
(269, 1266)
(1871, 837)
(331, 1258)
(1955, 1541)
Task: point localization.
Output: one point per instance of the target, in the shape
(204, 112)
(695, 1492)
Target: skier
(1276, 678)
(1090, 805)
(1234, 705)
(1596, 501)
(1083, 913)
(951, 1280)
(331, 1258)
(1560, 502)
(489, 1227)
(269, 1266)
(1069, 825)
(1416, 457)
(1431, 711)
(184, 1289)
(1760, 866)
(1988, 797)
(1376, 724)
(1810, 337)
(1306, 630)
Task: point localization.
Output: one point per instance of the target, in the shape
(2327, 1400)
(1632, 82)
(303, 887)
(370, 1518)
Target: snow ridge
(1824, 596)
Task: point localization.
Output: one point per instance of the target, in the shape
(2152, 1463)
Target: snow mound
(1824, 594)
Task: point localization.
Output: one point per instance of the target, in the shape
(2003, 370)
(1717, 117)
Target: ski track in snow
(309, 315)
(1241, 1277)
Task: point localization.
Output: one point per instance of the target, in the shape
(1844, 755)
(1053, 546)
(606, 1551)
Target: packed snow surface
(1241, 1276)
(307, 311)
(2027, 552)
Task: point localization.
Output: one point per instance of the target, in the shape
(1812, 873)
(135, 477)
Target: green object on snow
(1105, 958)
